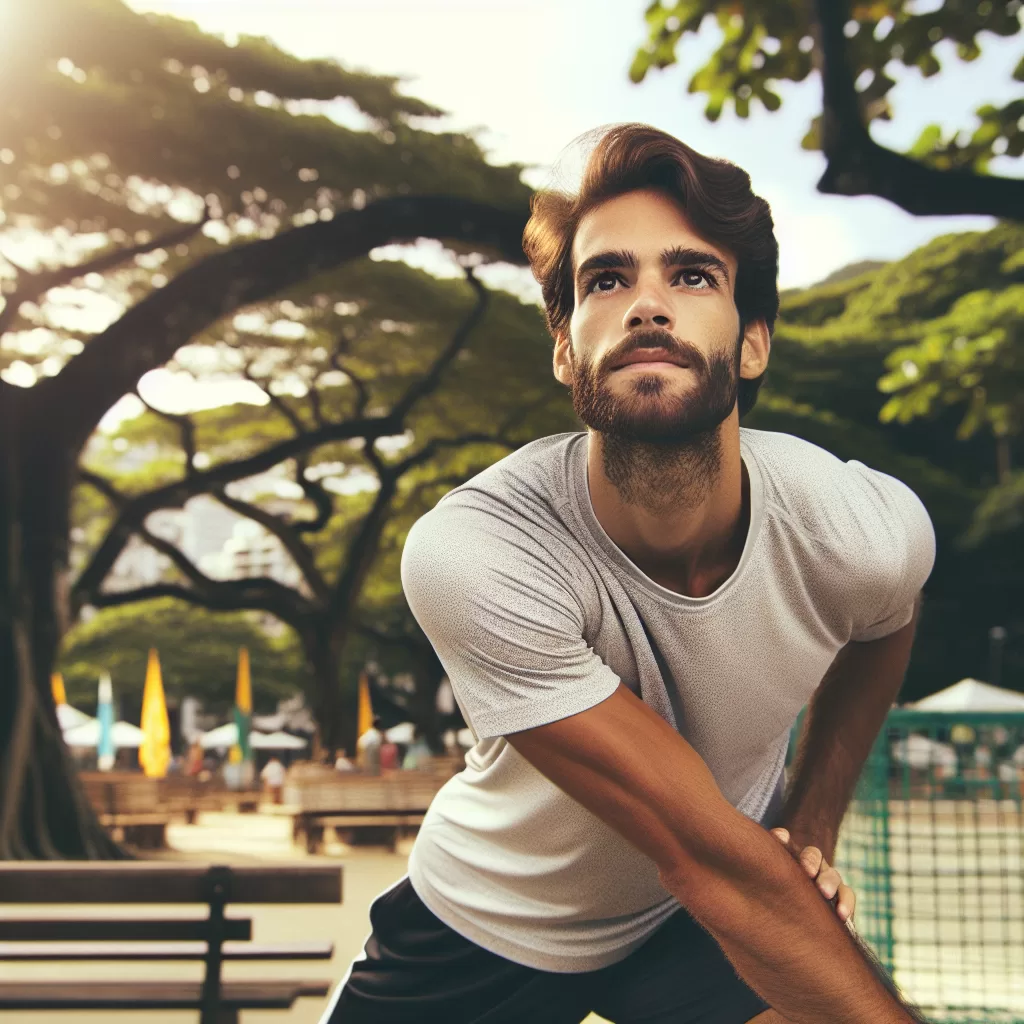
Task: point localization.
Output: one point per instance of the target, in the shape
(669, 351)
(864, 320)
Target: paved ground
(241, 839)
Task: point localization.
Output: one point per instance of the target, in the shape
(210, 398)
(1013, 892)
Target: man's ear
(757, 345)
(561, 360)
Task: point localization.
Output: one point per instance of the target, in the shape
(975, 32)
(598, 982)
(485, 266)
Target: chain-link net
(933, 846)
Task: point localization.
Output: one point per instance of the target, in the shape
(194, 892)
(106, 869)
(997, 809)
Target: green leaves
(973, 357)
(763, 42)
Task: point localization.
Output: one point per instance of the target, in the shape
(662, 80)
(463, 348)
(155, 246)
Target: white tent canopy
(68, 717)
(275, 741)
(88, 734)
(226, 736)
(221, 738)
(971, 695)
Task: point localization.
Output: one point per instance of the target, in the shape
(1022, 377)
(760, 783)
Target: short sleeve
(906, 560)
(505, 620)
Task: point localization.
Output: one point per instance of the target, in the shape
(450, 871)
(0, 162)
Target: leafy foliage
(766, 42)
(198, 657)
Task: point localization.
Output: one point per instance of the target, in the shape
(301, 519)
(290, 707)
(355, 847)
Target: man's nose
(649, 309)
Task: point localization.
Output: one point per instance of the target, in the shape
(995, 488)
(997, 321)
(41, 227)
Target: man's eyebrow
(677, 256)
(609, 260)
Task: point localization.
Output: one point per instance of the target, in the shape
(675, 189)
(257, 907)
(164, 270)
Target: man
(631, 620)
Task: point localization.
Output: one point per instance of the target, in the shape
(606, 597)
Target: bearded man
(632, 618)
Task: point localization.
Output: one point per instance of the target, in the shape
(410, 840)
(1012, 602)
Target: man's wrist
(808, 833)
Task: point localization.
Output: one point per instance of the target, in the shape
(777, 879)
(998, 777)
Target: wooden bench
(377, 808)
(211, 939)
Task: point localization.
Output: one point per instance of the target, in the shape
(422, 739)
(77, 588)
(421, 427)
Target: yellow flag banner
(241, 751)
(155, 750)
(365, 719)
(57, 687)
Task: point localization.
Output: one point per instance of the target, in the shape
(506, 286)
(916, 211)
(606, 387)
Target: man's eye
(696, 278)
(603, 283)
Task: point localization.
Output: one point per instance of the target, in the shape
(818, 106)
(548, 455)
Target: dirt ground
(240, 839)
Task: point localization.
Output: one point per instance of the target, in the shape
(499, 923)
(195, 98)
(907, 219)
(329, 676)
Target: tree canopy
(198, 657)
(854, 46)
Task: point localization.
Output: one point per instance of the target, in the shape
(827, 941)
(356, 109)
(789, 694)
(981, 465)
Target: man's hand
(829, 881)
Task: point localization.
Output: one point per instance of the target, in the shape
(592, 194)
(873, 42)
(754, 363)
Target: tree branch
(218, 285)
(276, 401)
(174, 495)
(287, 534)
(432, 378)
(857, 165)
(228, 596)
(186, 426)
(31, 285)
(318, 495)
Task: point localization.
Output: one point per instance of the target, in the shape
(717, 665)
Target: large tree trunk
(44, 813)
(335, 711)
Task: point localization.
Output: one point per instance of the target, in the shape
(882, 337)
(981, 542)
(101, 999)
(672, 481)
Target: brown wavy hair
(715, 194)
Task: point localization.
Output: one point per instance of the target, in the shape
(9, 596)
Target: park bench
(378, 808)
(211, 939)
(137, 809)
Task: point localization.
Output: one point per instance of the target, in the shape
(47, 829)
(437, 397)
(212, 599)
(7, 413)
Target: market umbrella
(241, 749)
(106, 744)
(155, 749)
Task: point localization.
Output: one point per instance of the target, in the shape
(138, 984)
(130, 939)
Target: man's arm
(840, 726)
(626, 765)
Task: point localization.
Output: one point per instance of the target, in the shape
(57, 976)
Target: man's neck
(680, 516)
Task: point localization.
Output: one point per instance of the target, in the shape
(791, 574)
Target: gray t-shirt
(537, 615)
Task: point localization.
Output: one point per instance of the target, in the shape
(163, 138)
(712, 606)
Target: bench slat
(156, 882)
(93, 951)
(153, 995)
(100, 929)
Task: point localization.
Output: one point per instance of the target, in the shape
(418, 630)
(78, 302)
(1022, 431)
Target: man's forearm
(781, 937)
(841, 724)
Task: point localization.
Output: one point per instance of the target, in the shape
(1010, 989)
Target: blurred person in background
(368, 749)
(273, 776)
(419, 753)
(341, 762)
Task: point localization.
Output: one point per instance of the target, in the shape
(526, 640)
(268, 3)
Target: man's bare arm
(626, 765)
(842, 721)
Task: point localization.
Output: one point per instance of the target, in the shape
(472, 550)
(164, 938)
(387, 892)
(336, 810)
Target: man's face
(653, 352)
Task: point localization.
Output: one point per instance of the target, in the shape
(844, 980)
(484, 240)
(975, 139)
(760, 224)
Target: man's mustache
(654, 337)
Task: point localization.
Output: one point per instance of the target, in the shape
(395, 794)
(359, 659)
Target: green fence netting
(932, 845)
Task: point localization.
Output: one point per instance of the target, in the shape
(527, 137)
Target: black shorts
(416, 970)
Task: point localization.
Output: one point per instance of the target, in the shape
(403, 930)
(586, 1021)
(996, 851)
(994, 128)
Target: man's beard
(659, 454)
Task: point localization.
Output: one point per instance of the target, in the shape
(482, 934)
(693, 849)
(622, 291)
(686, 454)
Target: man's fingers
(829, 880)
(812, 860)
(847, 902)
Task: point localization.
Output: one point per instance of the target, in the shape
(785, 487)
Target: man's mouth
(651, 359)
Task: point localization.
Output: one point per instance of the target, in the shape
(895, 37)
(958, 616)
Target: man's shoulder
(520, 492)
(846, 506)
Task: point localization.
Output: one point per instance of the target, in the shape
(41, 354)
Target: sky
(534, 74)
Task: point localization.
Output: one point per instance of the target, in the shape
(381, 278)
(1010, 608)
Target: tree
(836, 342)
(851, 43)
(119, 203)
(117, 641)
(463, 381)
